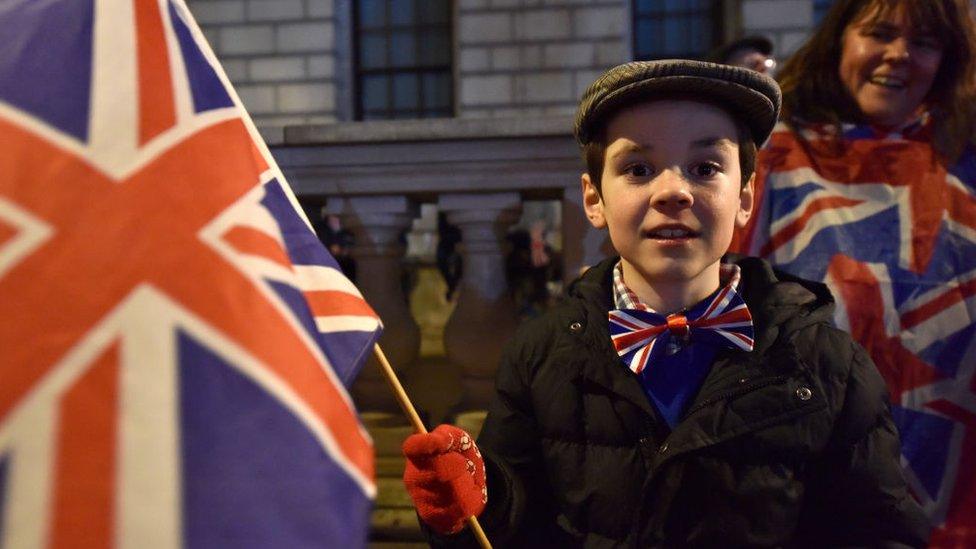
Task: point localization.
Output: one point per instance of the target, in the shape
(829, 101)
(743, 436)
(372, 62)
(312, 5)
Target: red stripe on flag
(259, 161)
(6, 233)
(787, 233)
(938, 305)
(623, 341)
(85, 488)
(618, 319)
(157, 109)
(254, 242)
(334, 303)
(735, 315)
(715, 302)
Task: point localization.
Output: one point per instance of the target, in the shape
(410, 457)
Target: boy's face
(671, 195)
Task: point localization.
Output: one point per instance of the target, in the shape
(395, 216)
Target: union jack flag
(893, 233)
(175, 341)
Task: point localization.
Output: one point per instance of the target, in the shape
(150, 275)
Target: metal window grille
(403, 59)
(666, 29)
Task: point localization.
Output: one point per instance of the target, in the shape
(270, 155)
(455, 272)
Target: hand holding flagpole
(418, 425)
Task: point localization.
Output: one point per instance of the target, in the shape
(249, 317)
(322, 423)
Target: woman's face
(888, 64)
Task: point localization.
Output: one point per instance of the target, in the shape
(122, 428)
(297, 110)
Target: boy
(673, 399)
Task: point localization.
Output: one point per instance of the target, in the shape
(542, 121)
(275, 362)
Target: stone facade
(534, 58)
(281, 56)
(290, 60)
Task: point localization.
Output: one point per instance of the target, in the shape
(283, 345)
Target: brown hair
(813, 91)
(594, 152)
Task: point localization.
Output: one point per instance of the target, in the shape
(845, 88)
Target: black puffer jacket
(789, 445)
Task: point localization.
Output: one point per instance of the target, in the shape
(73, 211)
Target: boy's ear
(746, 202)
(592, 203)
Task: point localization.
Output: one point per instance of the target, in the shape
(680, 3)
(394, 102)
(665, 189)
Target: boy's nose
(671, 191)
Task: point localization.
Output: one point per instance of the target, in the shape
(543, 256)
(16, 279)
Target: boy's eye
(638, 170)
(705, 169)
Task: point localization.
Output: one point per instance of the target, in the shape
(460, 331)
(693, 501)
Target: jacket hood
(779, 302)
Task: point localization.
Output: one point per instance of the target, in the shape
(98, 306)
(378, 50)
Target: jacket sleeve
(858, 496)
(510, 445)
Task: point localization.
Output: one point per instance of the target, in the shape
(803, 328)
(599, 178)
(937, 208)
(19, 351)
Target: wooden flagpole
(418, 425)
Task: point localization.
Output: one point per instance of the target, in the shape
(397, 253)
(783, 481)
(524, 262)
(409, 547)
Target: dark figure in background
(448, 258)
(529, 267)
(751, 52)
(337, 240)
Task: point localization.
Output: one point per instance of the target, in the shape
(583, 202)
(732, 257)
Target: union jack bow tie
(641, 336)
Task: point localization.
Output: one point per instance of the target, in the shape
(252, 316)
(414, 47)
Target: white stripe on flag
(317, 278)
(346, 323)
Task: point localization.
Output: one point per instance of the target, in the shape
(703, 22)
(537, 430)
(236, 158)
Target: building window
(820, 8)
(665, 29)
(403, 59)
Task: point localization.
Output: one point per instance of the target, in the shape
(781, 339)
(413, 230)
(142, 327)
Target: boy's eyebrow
(712, 142)
(703, 143)
(632, 148)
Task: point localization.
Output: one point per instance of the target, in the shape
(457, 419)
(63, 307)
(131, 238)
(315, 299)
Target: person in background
(751, 52)
(869, 184)
(449, 261)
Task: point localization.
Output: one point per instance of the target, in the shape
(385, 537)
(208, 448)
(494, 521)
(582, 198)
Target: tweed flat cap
(752, 97)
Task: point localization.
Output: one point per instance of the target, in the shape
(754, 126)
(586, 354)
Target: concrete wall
(280, 54)
(291, 59)
(786, 22)
(526, 58)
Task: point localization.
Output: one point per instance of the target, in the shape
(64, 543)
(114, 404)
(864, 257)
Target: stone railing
(374, 175)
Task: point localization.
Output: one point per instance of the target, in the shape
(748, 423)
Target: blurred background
(430, 143)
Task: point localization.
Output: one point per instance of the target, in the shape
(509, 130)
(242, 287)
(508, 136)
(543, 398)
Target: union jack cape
(174, 340)
(893, 234)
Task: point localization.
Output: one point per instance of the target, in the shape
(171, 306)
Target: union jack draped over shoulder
(893, 233)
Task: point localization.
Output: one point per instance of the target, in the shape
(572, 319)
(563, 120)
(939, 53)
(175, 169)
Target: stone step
(390, 466)
(388, 432)
(390, 492)
(471, 421)
(394, 525)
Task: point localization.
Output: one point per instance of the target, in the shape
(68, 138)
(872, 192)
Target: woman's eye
(705, 169)
(878, 33)
(927, 42)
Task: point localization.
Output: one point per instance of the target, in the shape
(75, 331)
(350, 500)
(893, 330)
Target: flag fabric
(893, 234)
(175, 342)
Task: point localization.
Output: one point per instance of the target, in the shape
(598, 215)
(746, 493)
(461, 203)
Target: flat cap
(749, 96)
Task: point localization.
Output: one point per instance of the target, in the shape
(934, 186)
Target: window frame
(416, 30)
(716, 14)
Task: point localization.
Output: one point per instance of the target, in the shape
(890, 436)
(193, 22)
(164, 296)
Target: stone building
(385, 112)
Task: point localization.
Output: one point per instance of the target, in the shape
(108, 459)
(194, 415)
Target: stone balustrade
(374, 175)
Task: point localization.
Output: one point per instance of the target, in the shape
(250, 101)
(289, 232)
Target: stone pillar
(377, 223)
(485, 317)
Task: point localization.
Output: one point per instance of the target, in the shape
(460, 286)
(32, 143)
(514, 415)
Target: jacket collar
(779, 303)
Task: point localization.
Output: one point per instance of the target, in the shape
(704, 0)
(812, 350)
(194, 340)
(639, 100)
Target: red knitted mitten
(445, 476)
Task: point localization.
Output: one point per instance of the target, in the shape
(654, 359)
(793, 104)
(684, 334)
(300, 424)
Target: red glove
(445, 476)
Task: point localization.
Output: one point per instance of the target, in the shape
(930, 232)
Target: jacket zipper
(736, 392)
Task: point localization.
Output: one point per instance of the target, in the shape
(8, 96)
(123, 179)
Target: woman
(869, 184)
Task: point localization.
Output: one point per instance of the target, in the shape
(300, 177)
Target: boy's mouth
(672, 232)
